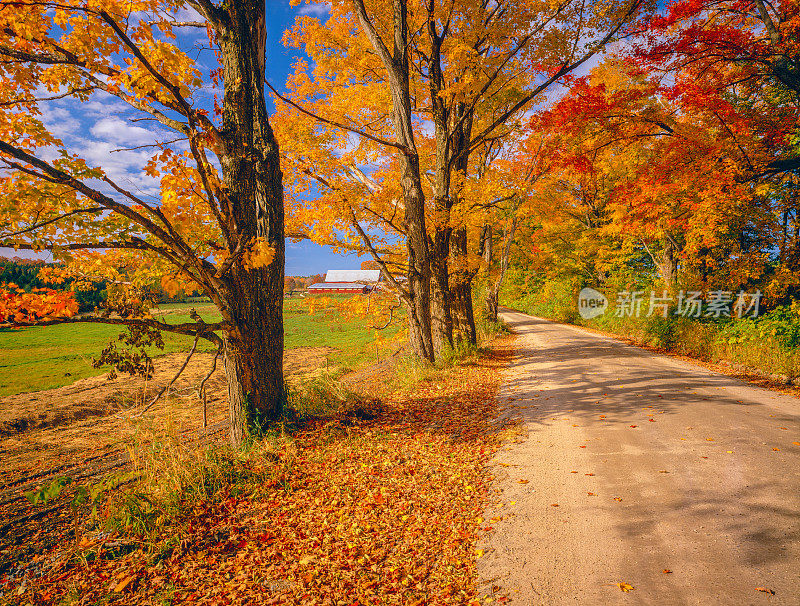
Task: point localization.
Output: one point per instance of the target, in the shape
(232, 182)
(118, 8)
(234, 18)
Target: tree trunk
(462, 274)
(254, 370)
(487, 253)
(396, 62)
(252, 297)
(419, 268)
(441, 317)
(493, 296)
(461, 290)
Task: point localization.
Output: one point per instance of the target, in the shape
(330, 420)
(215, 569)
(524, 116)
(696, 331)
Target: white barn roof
(353, 275)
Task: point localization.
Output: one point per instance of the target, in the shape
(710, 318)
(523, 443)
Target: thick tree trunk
(492, 303)
(419, 268)
(461, 272)
(254, 370)
(669, 266)
(253, 296)
(487, 252)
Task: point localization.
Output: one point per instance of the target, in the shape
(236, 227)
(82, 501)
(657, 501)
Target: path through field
(631, 467)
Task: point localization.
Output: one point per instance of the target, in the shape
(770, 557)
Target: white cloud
(60, 121)
(187, 13)
(125, 168)
(120, 132)
(100, 107)
(315, 9)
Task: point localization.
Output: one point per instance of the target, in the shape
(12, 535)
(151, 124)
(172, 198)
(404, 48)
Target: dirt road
(624, 465)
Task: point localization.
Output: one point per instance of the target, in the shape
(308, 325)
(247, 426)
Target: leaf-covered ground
(377, 511)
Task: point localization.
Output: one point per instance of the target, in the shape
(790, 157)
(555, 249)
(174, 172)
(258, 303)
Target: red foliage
(39, 305)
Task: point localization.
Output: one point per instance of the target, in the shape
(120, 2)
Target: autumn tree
(417, 88)
(216, 222)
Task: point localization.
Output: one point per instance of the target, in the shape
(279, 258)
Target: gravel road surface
(624, 466)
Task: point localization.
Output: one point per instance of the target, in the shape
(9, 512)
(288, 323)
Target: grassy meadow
(38, 358)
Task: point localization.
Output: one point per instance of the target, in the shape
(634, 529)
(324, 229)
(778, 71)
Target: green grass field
(37, 358)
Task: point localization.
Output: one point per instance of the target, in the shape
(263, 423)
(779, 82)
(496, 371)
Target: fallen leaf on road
(667, 571)
(765, 590)
(588, 474)
(574, 425)
(602, 416)
(573, 471)
(584, 446)
(703, 457)
(553, 504)
(626, 587)
(776, 449)
(796, 443)
(652, 420)
(784, 428)
(709, 439)
(662, 471)
(478, 553)
(523, 481)
(729, 451)
(617, 498)
(591, 494)
(634, 426)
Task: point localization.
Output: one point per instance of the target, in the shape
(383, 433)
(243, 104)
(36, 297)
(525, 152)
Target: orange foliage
(40, 305)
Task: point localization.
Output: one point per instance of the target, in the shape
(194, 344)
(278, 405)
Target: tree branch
(175, 378)
(49, 221)
(205, 331)
(351, 129)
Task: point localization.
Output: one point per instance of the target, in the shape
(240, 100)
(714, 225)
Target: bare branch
(381, 263)
(175, 378)
(149, 145)
(69, 93)
(202, 394)
(562, 71)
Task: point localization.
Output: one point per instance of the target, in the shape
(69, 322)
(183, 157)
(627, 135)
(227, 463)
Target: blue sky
(101, 132)
(100, 129)
(302, 258)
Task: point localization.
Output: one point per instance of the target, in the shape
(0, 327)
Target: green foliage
(554, 299)
(781, 326)
(768, 344)
(44, 494)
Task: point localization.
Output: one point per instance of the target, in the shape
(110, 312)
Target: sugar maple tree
(406, 92)
(216, 224)
(702, 110)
